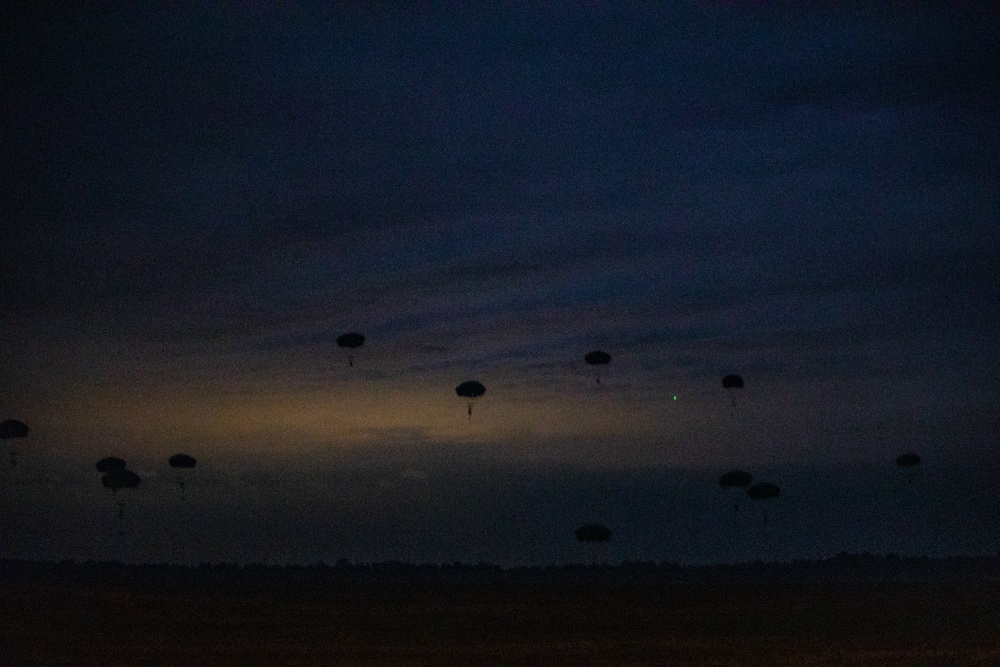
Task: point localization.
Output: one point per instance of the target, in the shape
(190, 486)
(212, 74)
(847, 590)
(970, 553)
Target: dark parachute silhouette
(120, 478)
(11, 429)
(597, 358)
(735, 479)
(471, 390)
(909, 463)
(593, 532)
(764, 491)
(731, 382)
(351, 341)
(181, 461)
(110, 463)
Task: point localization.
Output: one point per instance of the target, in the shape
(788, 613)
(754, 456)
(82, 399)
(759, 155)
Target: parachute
(10, 429)
(471, 390)
(351, 341)
(597, 358)
(764, 491)
(593, 532)
(735, 479)
(110, 463)
(909, 463)
(181, 461)
(120, 478)
(730, 382)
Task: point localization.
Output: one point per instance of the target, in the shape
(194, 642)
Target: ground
(440, 622)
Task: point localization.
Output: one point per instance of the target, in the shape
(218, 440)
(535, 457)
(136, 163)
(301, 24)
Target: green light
(675, 397)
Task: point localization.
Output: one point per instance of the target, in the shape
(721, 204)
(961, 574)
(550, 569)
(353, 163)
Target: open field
(398, 621)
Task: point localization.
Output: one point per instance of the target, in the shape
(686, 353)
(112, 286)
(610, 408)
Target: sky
(198, 200)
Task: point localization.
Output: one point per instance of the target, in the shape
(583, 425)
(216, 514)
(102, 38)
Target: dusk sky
(196, 202)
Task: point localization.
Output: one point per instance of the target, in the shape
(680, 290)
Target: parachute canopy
(735, 479)
(350, 340)
(763, 491)
(182, 461)
(593, 532)
(908, 460)
(597, 358)
(120, 478)
(109, 463)
(470, 389)
(12, 428)
(732, 381)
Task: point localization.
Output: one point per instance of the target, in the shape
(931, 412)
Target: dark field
(134, 619)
